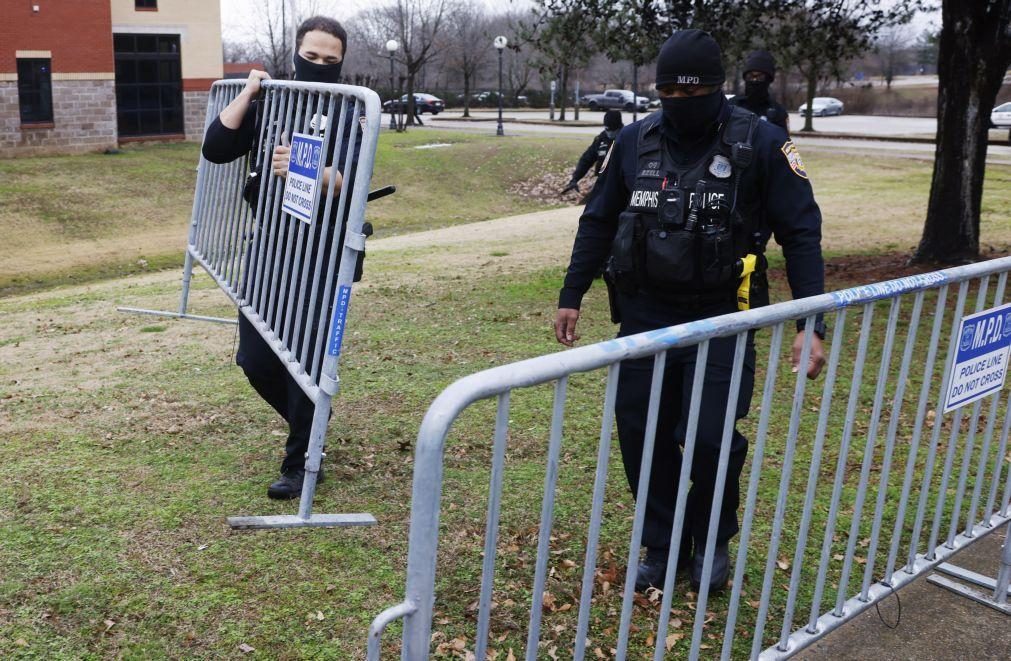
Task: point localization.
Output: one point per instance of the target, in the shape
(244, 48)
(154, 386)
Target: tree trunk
(466, 93)
(409, 120)
(974, 54)
(812, 88)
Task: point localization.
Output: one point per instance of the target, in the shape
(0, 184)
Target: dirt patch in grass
(861, 269)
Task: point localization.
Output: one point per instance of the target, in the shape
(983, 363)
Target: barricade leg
(305, 518)
(183, 301)
(997, 597)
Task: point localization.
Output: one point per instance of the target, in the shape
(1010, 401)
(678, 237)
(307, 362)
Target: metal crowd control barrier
(813, 551)
(291, 279)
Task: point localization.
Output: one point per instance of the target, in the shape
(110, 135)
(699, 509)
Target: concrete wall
(195, 110)
(84, 119)
(198, 24)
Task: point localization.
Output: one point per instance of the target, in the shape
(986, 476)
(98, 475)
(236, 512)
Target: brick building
(87, 75)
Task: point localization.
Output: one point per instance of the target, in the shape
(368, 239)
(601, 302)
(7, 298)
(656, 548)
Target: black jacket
(592, 156)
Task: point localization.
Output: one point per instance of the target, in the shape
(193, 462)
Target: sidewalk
(935, 623)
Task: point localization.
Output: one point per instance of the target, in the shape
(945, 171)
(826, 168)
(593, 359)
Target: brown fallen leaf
(783, 564)
(109, 624)
(246, 649)
(672, 639)
(511, 656)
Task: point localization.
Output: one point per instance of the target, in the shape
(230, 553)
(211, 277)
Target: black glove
(573, 185)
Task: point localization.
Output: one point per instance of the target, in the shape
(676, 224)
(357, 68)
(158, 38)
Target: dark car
(423, 102)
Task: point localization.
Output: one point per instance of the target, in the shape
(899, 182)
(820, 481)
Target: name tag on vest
(645, 200)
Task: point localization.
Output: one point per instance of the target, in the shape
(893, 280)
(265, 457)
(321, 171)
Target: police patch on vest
(720, 167)
(793, 158)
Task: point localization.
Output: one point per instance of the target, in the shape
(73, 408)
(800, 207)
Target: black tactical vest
(683, 233)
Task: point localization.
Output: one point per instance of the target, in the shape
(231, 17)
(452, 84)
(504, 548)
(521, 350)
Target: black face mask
(691, 116)
(310, 72)
(757, 90)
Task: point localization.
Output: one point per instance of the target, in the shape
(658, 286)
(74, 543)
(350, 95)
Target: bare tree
(272, 32)
(820, 36)
(560, 32)
(892, 49)
(417, 26)
(470, 45)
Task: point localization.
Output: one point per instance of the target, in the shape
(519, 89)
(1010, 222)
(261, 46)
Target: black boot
(289, 486)
(653, 568)
(720, 572)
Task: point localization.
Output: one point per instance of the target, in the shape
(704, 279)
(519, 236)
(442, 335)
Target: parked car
(423, 102)
(621, 99)
(1001, 116)
(821, 106)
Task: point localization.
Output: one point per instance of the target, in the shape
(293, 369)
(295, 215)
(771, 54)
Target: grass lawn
(128, 440)
(75, 218)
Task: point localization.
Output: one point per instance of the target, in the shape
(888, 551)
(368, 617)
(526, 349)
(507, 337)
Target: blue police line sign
(304, 169)
(980, 365)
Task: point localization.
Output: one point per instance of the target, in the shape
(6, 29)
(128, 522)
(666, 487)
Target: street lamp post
(551, 103)
(500, 44)
(391, 48)
(576, 104)
(635, 91)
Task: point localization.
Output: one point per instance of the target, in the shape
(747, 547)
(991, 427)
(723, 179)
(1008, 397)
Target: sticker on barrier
(303, 177)
(979, 367)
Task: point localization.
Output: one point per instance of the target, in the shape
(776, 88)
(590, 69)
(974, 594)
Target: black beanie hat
(763, 61)
(690, 57)
(612, 120)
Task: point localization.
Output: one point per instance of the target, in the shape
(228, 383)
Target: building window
(35, 90)
(149, 95)
(149, 5)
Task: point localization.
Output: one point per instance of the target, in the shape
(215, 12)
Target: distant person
(320, 47)
(759, 72)
(595, 154)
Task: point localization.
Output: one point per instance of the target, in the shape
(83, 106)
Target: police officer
(689, 196)
(593, 157)
(759, 72)
(320, 47)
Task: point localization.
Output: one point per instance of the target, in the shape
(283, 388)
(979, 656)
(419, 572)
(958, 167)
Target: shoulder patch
(607, 159)
(793, 159)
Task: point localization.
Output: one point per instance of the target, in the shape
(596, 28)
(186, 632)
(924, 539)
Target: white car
(1001, 116)
(823, 105)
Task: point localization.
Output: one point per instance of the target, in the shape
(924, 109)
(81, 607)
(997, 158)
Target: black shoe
(289, 486)
(720, 572)
(653, 569)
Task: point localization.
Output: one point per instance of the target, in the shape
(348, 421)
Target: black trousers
(641, 313)
(271, 380)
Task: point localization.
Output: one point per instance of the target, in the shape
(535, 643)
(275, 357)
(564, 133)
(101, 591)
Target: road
(863, 124)
(857, 125)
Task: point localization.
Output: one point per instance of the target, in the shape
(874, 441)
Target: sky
(234, 13)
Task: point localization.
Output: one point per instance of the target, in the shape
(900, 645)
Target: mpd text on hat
(688, 80)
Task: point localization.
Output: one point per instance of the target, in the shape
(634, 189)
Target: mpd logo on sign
(303, 176)
(980, 366)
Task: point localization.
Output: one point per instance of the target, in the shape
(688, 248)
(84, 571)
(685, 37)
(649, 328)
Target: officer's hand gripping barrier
(290, 279)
